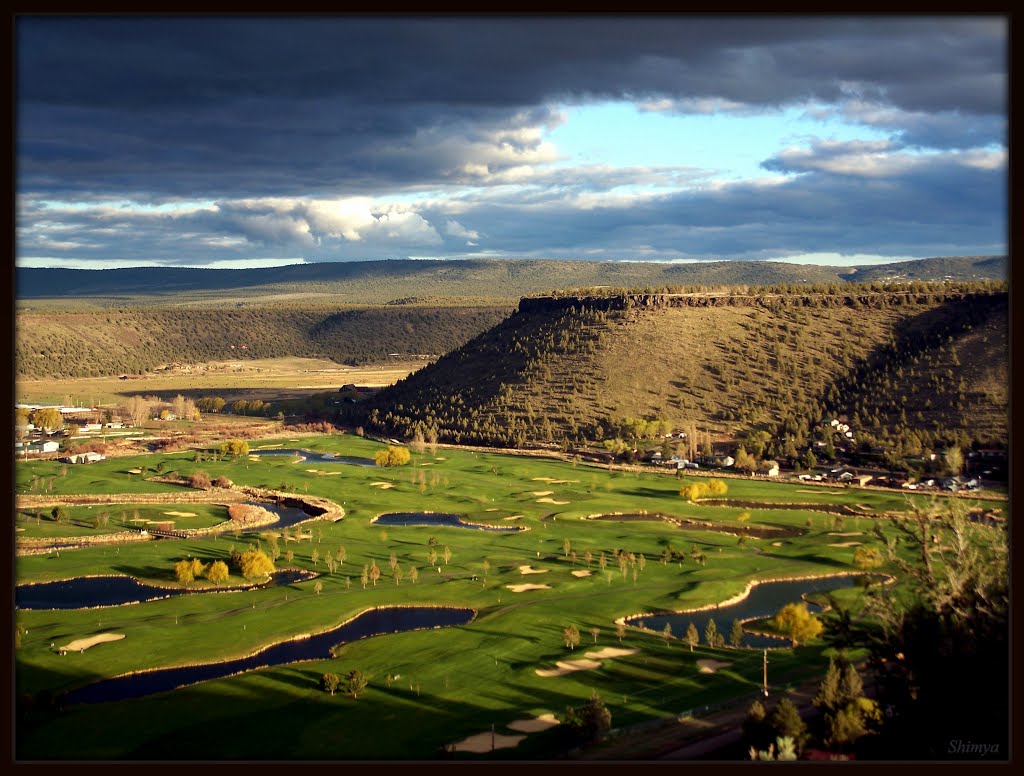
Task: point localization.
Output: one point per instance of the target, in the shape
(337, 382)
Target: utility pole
(765, 688)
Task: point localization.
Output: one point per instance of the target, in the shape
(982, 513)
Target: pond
(312, 457)
(755, 531)
(438, 519)
(374, 622)
(288, 516)
(88, 592)
(764, 600)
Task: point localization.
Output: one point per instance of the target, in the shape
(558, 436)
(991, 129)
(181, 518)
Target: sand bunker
(582, 573)
(543, 479)
(531, 570)
(19, 529)
(711, 666)
(543, 492)
(523, 588)
(552, 501)
(382, 485)
(254, 457)
(483, 742)
(847, 533)
(80, 645)
(428, 463)
(608, 652)
(778, 544)
(440, 458)
(513, 517)
(492, 509)
(179, 514)
(845, 544)
(535, 725)
(135, 471)
(568, 667)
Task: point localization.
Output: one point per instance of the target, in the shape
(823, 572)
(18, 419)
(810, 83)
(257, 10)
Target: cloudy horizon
(255, 142)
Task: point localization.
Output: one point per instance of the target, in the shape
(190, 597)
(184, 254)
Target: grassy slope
(454, 682)
(60, 343)
(721, 369)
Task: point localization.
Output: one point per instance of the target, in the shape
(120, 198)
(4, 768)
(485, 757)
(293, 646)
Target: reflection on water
(764, 600)
(371, 623)
(85, 592)
(440, 519)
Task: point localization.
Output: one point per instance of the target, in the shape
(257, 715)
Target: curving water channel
(92, 592)
(438, 519)
(312, 457)
(374, 622)
(757, 532)
(765, 600)
(287, 516)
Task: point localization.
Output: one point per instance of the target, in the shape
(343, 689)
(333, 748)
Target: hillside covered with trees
(87, 343)
(381, 282)
(907, 366)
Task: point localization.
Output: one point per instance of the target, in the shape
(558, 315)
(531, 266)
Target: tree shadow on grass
(159, 574)
(811, 557)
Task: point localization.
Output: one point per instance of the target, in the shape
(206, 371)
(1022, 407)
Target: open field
(267, 379)
(454, 682)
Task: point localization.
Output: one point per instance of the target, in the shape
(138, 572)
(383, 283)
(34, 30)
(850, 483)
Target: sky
(257, 141)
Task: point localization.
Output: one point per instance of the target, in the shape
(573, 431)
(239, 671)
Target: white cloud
(405, 227)
(275, 228)
(249, 263)
(346, 218)
(455, 229)
(839, 259)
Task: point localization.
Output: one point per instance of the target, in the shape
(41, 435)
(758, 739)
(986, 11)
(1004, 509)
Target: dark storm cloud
(954, 204)
(215, 107)
(951, 206)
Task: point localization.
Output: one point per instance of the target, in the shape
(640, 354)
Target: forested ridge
(570, 369)
(380, 282)
(129, 340)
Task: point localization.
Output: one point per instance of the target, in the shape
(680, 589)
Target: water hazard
(757, 532)
(88, 592)
(764, 600)
(375, 622)
(312, 457)
(438, 519)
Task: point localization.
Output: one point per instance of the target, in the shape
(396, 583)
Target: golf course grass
(428, 689)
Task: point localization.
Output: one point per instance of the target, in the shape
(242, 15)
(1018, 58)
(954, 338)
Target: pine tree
(692, 637)
(711, 634)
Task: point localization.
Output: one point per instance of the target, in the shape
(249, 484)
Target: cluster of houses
(46, 446)
(764, 469)
(39, 441)
(839, 427)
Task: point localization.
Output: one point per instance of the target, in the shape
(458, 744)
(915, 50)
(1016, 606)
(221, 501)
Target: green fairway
(454, 682)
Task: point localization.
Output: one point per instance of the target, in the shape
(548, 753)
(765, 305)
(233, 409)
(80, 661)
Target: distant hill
(85, 343)
(379, 282)
(908, 367)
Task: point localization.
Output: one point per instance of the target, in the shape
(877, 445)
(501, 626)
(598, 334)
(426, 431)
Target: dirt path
(694, 738)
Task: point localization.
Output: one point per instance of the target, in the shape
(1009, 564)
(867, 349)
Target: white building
(86, 457)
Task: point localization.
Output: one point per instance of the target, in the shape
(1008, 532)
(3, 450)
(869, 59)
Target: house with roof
(89, 457)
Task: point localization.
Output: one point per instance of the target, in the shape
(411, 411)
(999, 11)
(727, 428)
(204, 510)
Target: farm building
(86, 457)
